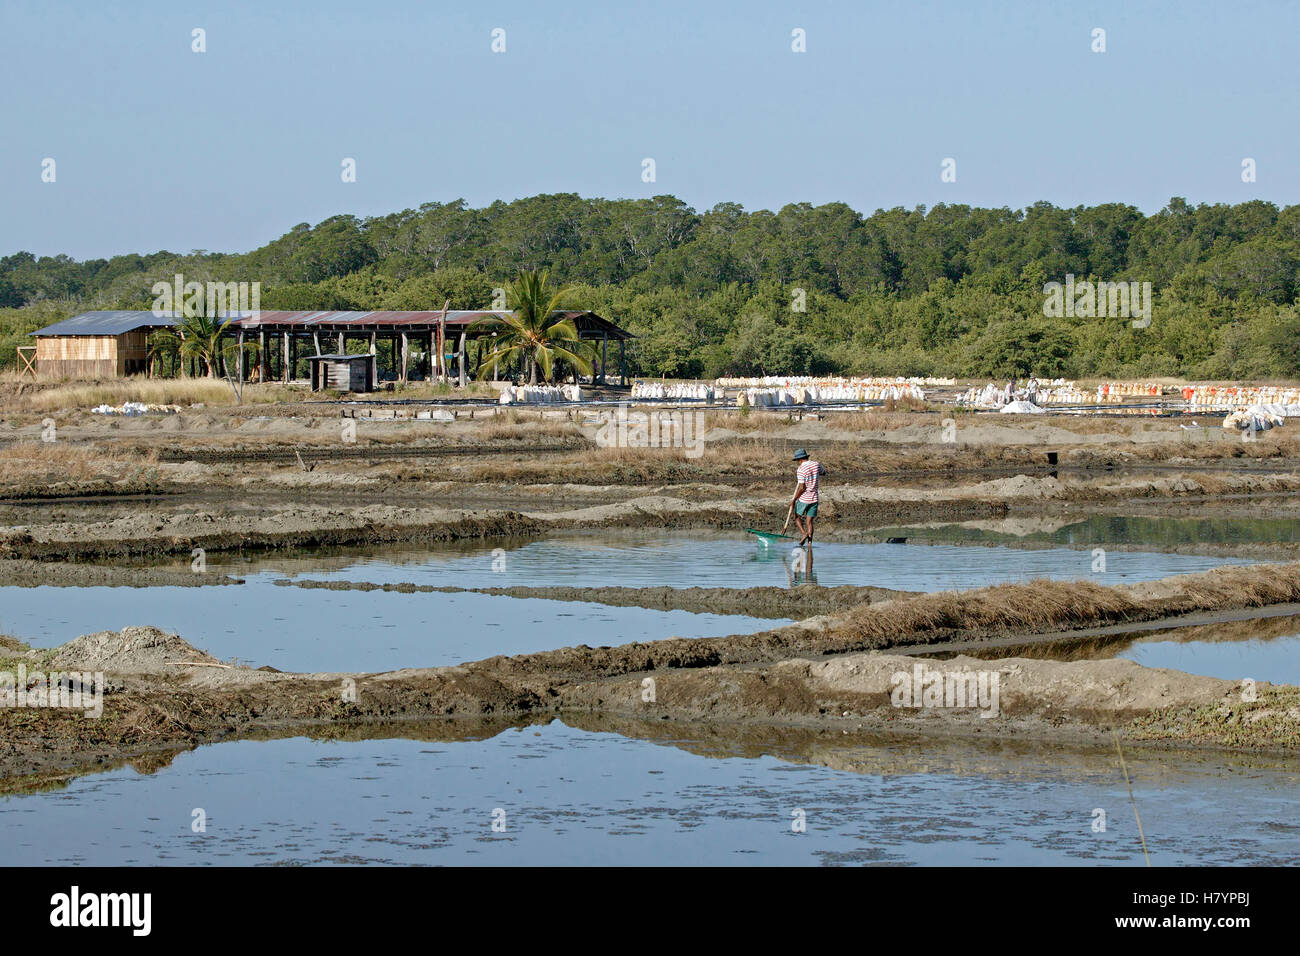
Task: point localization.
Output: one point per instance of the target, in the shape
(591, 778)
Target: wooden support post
(460, 354)
(315, 341)
(263, 360)
(604, 356)
(27, 355)
(241, 356)
(405, 346)
(288, 358)
(442, 338)
(341, 349)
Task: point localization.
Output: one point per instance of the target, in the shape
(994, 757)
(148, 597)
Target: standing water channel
(261, 623)
(585, 792)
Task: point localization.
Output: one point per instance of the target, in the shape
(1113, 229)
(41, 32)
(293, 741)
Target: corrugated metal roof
(104, 323)
(116, 323)
(307, 319)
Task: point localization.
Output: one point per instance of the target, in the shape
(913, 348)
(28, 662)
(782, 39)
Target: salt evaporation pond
(315, 629)
(665, 559)
(1101, 530)
(1275, 659)
(575, 797)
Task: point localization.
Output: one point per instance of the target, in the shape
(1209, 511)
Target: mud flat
(801, 602)
(279, 478)
(27, 574)
(834, 671)
(146, 529)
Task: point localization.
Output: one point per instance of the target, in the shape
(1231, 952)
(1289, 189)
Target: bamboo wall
(77, 356)
(133, 353)
(92, 356)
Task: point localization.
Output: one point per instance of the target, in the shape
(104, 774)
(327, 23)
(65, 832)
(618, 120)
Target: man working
(804, 503)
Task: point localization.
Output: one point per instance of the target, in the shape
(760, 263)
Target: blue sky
(158, 147)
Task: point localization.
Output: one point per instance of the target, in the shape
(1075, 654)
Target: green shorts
(806, 509)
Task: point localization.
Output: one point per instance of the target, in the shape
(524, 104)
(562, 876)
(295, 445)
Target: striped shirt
(808, 474)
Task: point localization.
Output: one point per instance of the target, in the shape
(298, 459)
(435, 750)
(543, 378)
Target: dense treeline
(954, 290)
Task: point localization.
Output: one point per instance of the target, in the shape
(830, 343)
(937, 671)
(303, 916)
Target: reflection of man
(799, 570)
(806, 495)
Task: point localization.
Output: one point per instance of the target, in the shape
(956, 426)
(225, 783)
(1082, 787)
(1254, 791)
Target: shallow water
(320, 630)
(661, 559)
(1274, 659)
(1157, 532)
(317, 630)
(574, 797)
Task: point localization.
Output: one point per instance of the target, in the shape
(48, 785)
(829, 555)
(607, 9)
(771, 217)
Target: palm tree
(164, 351)
(195, 337)
(536, 330)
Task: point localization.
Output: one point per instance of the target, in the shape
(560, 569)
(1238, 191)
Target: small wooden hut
(346, 373)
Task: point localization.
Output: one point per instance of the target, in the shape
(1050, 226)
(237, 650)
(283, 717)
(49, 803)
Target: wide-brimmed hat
(801, 453)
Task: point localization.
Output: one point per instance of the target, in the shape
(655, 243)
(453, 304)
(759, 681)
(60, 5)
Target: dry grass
(1045, 606)
(877, 420)
(745, 422)
(434, 391)
(517, 425)
(27, 462)
(154, 391)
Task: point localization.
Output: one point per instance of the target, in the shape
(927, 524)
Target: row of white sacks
(539, 394)
(1239, 396)
(791, 381)
(994, 396)
(131, 409)
(1261, 417)
(799, 395)
(674, 390)
(1058, 392)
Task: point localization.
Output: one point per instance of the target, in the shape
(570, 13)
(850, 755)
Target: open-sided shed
(107, 344)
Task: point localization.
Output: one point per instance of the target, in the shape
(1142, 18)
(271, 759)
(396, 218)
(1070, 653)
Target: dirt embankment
(59, 574)
(274, 447)
(148, 531)
(164, 695)
(150, 528)
(798, 602)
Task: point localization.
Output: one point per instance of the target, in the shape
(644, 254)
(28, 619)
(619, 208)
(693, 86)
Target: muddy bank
(149, 531)
(59, 574)
(143, 532)
(164, 694)
(798, 602)
(174, 697)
